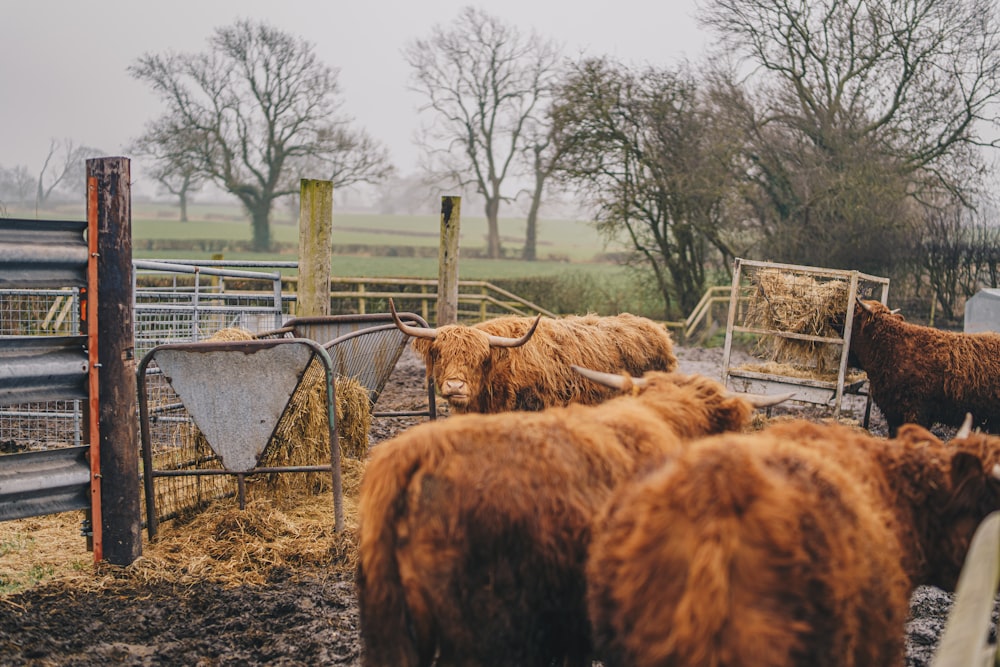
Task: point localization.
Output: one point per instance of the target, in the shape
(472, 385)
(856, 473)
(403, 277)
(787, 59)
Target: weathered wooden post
(447, 302)
(315, 247)
(110, 199)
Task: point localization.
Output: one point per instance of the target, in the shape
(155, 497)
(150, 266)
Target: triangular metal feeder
(235, 392)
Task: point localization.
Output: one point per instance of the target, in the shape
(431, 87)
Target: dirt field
(303, 614)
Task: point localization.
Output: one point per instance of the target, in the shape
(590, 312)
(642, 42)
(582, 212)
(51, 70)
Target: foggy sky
(63, 63)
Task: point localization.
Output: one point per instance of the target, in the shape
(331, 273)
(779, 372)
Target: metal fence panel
(42, 368)
(43, 253)
(37, 483)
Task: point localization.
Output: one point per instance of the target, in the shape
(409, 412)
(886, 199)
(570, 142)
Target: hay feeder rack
(783, 311)
(236, 393)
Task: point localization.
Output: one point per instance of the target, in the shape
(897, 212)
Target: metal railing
(358, 295)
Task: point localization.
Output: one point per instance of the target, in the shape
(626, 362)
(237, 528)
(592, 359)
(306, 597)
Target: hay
(796, 303)
(790, 370)
(302, 436)
(231, 334)
(271, 539)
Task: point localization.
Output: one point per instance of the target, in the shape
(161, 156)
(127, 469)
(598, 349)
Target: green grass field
(562, 244)
(576, 240)
(569, 251)
(562, 240)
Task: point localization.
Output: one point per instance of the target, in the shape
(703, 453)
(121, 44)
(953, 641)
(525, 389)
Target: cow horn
(895, 311)
(416, 332)
(613, 380)
(996, 471)
(865, 306)
(501, 341)
(965, 430)
(762, 400)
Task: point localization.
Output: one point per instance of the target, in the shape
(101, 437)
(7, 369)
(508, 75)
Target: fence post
(121, 522)
(315, 247)
(447, 302)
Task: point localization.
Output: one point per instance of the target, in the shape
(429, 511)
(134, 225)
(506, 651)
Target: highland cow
(474, 530)
(797, 545)
(923, 375)
(523, 363)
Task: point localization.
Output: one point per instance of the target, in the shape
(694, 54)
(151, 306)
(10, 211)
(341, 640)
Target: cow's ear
(968, 482)
(422, 346)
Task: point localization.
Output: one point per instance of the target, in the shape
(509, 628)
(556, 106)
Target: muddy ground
(302, 616)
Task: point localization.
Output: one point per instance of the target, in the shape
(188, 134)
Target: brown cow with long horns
(523, 363)
(474, 529)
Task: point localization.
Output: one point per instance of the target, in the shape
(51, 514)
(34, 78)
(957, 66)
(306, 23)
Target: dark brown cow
(523, 363)
(798, 545)
(474, 529)
(923, 375)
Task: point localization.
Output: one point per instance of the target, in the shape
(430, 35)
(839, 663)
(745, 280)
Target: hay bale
(231, 334)
(797, 303)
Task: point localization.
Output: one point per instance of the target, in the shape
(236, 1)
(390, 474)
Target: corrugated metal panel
(38, 483)
(42, 368)
(42, 253)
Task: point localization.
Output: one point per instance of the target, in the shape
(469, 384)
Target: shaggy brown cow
(474, 530)
(923, 375)
(492, 367)
(798, 545)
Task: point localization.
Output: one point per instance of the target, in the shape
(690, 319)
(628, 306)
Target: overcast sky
(63, 72)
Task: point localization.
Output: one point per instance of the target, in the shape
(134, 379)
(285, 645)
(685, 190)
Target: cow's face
(972, 493)
(459, 359)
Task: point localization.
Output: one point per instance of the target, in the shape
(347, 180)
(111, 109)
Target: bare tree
(408, 195)
(168, 155)
(958, 251)
(484, 81)
(544, 156)
(854, 108)
(652, 156)
(17, 185)
(64, 168)
(258, 111)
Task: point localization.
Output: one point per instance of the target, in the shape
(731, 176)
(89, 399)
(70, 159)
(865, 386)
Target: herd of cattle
(591, 503)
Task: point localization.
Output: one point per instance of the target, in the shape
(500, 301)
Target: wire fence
(173, 303)
(38, 426)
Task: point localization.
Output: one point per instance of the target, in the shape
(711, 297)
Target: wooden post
(315, 247)
(447, 302)
(121, 520)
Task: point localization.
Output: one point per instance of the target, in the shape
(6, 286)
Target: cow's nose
(453, 387)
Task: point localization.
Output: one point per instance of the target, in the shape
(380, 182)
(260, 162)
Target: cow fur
(537, 374)
(474, 530)
(798, 545)
(923, 375)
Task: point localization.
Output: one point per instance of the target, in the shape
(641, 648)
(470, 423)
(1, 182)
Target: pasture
(572, 275)
(575, 271)
(559, 241)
